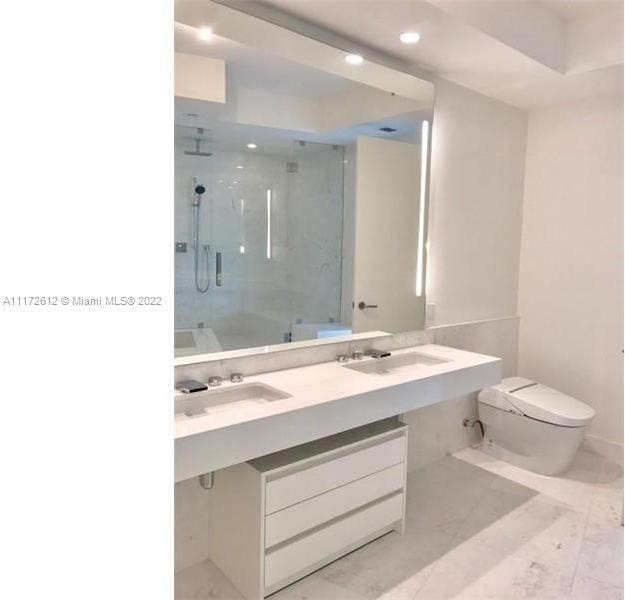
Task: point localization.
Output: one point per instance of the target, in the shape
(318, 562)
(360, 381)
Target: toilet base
(534, 445)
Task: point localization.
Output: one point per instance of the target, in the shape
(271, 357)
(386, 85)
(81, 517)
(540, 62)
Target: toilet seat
(526, 397)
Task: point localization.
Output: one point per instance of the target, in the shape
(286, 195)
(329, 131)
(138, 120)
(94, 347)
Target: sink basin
(391, 364)
(200, 404)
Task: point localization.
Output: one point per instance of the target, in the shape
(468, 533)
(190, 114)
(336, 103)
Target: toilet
(531, 425)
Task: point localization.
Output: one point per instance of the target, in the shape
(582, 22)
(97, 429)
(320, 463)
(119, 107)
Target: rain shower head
(197, 152)
(198, 141)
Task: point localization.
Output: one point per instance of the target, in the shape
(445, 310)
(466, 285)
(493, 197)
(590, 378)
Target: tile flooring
(477, 529)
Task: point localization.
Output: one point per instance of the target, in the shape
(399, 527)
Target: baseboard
(613, 451)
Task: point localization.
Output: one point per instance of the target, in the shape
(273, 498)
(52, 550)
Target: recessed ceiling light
(410, 37)
(239, 166)
(205, 34)
(354, 59)
(252, 146)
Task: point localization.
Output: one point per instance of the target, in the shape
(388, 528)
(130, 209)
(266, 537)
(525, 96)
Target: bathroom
(433, 217)
(369, 253)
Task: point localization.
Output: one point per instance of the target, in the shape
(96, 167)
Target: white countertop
(327, 382)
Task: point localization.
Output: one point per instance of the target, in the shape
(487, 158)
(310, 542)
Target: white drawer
(294, 558)
(305, 515)
(301, 485)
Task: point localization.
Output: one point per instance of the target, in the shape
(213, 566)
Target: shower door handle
(218, 269)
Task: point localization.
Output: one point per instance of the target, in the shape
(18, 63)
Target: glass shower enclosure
(258, 239)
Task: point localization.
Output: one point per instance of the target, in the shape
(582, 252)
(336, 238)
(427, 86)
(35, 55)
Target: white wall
(386, 240)
(571, 280)
(200, 77)
(476, 195)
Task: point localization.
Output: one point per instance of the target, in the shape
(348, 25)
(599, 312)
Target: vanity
(310, 463)
(274, 411)
(282, 516)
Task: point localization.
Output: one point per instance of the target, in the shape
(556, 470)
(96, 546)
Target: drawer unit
(294, 488)
(304, 554)
(306, 515)
(282, 516)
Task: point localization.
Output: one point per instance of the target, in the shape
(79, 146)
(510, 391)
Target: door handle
(362, 305)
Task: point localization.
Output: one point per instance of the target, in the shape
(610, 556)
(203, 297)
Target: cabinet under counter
(282, 516)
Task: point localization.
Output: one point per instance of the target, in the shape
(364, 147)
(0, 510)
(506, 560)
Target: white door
(386, 234)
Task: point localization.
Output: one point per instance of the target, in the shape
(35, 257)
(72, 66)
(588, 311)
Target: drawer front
(284, 524)
(321, 478)
(308, 551)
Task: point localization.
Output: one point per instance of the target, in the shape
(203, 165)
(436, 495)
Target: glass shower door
(272, 220)
(315, 236)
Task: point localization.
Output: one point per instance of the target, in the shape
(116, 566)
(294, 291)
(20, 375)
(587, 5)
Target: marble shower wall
(260, 297)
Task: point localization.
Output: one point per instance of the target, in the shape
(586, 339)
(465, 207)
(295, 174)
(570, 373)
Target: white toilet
(532, 426)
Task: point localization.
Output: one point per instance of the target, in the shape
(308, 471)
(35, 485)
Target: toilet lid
(546, 404)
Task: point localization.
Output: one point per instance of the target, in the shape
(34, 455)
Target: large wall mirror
(301, 185)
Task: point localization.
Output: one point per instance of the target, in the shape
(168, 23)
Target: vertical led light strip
(268, 223)
(425, 138)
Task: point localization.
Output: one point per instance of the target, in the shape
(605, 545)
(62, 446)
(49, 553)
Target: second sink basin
(211, 401)
(386, 366)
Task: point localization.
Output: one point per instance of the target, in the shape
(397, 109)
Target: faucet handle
(236, 378)
(214, 381)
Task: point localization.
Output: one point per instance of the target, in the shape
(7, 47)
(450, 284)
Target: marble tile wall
(436, 431)
(290, 359)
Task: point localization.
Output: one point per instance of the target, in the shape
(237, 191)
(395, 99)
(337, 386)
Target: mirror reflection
(262, 230)
(300, 202)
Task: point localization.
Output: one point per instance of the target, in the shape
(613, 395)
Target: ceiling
(253, 68)
(251, 73)
(529, 53)
(570, 10)
(233, 137)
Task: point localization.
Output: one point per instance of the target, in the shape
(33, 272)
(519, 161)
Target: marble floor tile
(574, 488)
(529, 551)
(476, 529)
(438, 500)
(314, 587)
(391, 567)
(586, 588)
(601, 555)
(203, 581)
